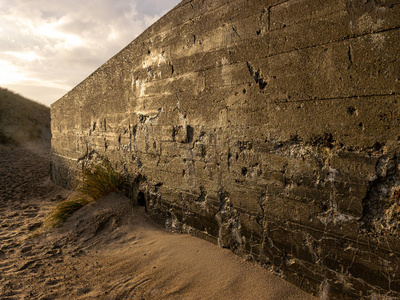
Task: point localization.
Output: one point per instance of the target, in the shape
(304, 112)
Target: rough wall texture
(269, 127)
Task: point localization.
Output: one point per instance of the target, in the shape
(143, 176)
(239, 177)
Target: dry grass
(65, 209)
(97, 182)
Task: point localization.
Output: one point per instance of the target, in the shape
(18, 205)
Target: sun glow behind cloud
(28, 56)
(9, 74)
(49, 46)
(50, 31)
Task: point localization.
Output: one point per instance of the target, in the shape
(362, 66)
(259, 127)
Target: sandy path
(109, 250)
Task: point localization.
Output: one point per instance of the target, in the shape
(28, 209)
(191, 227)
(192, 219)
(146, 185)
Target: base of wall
(283, 248)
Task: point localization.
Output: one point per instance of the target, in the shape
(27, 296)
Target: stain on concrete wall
(268, 127)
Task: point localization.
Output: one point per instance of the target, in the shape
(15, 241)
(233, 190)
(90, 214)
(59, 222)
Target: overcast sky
(48, 46)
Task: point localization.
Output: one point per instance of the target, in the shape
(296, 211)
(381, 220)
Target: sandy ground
(109, 250)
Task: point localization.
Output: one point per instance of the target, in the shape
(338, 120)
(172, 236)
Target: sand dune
(22, 120)
(109, 250)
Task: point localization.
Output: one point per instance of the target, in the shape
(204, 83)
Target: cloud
(52, 45)
(29, 56)
(9, 73)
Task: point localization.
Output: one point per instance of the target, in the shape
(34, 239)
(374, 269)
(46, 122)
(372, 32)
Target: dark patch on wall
(202, 196)
(141, 199)
(381, 206)
(257, 76)
(189, 134)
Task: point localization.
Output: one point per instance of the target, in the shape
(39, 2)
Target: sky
(49, 46)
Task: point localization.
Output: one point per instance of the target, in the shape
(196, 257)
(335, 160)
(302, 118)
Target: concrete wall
(269, 127)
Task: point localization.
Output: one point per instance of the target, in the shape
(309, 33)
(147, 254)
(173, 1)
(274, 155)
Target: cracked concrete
(270, 128)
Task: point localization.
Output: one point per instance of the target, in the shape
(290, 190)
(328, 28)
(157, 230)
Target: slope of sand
(109, 250)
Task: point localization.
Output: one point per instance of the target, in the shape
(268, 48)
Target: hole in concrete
(189, 133)
(257, 76)
(141, 199)
(202, 196)
(351, 110)
(377, 146)
(157, 186)
(203, 151)
(244, 171)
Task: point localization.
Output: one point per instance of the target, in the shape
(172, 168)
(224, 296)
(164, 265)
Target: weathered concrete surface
(270, 127)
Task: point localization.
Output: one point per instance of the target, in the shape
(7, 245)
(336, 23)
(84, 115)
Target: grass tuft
(97, 182)
(66, 209)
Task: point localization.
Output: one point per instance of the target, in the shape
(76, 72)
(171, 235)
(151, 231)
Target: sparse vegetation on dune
(97, 181)
(22, 120)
